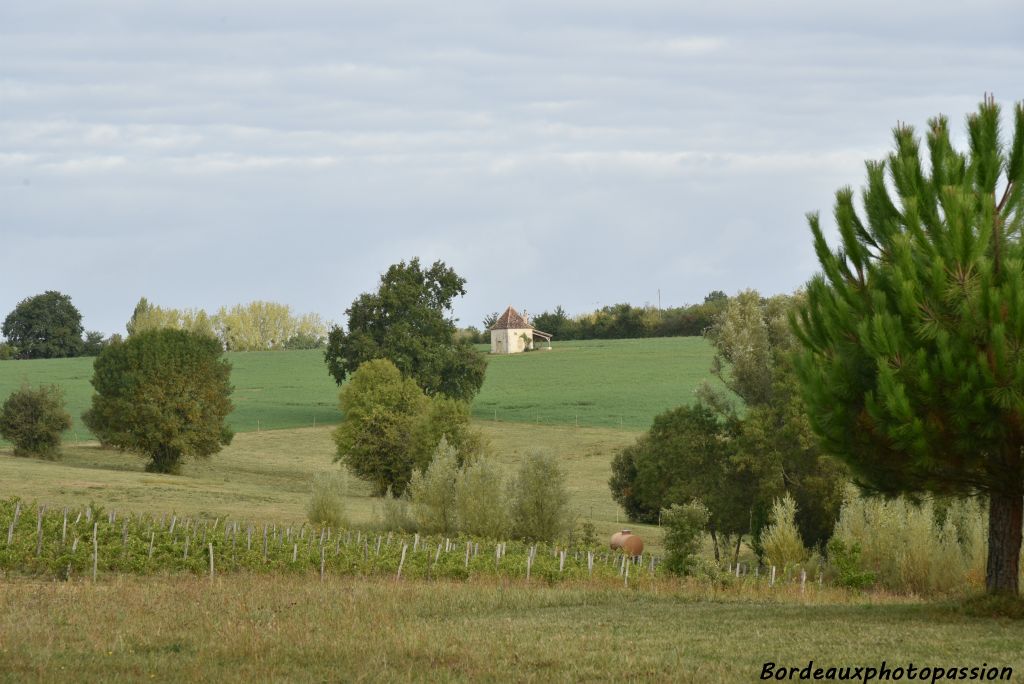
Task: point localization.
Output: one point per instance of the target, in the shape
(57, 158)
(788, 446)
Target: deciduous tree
(45, 326)
(391, 427)
(405, 321)
(33, 420)
(164, 394)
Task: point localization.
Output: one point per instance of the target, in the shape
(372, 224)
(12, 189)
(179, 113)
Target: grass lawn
(295, 628)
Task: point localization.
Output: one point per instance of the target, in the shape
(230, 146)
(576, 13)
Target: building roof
(511, 320)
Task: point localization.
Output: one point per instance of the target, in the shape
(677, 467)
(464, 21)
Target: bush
(8, 351)
(33, 419)
(394, 515)
(539, 506)
(327, 504)
(432, 492)
(781, 540)
(907, 547)
(480, 501)
(684, 527)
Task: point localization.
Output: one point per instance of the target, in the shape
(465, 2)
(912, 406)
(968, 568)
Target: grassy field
(295, 628)
(267, 475)
(600, 383)
(597, 383)
(273, 390)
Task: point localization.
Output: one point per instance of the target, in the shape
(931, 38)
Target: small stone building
(512, 333)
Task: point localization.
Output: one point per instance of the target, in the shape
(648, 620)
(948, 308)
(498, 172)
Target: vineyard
(90, 542)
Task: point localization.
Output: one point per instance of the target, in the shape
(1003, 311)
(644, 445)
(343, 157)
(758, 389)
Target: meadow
(158, 615)
(294, 627)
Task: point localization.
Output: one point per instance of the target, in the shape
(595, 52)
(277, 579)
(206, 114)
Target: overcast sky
(581, 152)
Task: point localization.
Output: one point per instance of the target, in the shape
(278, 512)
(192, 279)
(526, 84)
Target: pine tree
(912, 361)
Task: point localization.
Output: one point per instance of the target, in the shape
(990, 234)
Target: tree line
(619, 321)
(48, 325)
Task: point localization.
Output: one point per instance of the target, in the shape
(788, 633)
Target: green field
(599, 383)
(606, 383)
(273, 390)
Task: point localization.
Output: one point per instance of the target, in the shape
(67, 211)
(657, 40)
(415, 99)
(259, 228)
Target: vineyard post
(322, 561)
(64, 529)
(152, 538)
(295, 553)
(561, 561)
(95, 551)
(415, 542)
(39, 530)
(377, 552)
(210, 547)
(626, 581)
(469, 547)
(590, 563)
(14, 521)
(803, 580)
(401, 562)
(771, 582)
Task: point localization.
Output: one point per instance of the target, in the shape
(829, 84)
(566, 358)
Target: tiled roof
(510, 320)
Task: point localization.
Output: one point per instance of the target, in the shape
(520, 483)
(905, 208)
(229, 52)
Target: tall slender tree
(912, 362)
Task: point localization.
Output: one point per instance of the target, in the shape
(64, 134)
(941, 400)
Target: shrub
(539, 506)
(907, 547)
(327, 503)
(781, 539)
(394, 515)
(481, 502)
(8, 351)
(33, 419)
(684, 527)
(432, 492)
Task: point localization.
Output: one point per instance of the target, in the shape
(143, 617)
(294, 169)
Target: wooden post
(210, 547)
(561, 561)
(415, 542)
(771, 582)
(174, 521)
(737, 570)
(401, 562)
(803, 580)
(322, 562)
(95, 551)
(626, 573)
(469, 547)
(377, 552)
(295, 553)
(188, 540)
(39, 530)
(438, 554)
(152, 537)
(264, 542)
(64, 529)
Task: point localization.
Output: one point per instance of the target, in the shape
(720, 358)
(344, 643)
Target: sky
(556, 152)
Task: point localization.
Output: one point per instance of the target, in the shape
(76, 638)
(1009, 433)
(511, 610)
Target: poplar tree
(912, 338)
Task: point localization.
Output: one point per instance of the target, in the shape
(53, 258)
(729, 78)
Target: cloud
(293, 151)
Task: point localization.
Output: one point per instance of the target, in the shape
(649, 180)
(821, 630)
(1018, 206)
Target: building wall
(511, 341)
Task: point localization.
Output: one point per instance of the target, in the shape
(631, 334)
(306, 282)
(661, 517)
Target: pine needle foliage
(912, 363)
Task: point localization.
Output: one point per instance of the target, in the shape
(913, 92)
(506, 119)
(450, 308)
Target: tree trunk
(714, 540)
(736, 556)
(1002, 572)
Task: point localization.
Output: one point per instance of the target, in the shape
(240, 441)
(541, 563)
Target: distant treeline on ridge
(622, 321)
